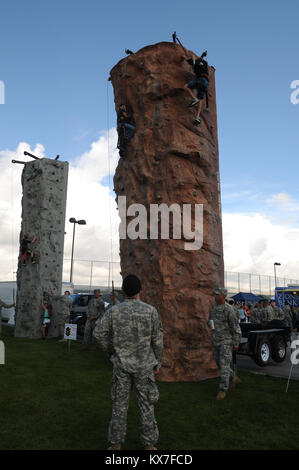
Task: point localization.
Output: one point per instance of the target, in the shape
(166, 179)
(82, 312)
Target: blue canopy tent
(246, 297)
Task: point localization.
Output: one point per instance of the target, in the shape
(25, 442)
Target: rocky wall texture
(170, 160)
(44, 185)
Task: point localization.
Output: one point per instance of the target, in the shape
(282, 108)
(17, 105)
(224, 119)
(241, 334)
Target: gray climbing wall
(44, 185)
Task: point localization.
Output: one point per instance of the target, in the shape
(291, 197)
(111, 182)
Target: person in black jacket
(199, 83)
(125, 128)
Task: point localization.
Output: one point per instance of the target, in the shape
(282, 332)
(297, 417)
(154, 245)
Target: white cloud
(10, 207)
(283, 199)
(252, 244)
(87, 199)
(91, 200)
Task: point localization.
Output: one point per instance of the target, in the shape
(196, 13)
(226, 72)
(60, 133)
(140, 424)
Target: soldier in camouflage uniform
(3, 304)
(132, 334)
(225, 336)
(257, 313)
(96, 309)
(288, 318)
(65, 307)
(267, 313)
(278, 312)
(235, 307)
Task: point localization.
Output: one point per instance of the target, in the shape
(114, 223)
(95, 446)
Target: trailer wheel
(263, 353)
(279, 349)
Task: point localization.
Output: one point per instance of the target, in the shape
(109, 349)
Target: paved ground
(274, 369)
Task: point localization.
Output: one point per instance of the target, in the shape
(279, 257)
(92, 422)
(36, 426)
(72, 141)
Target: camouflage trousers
(62, 321)
(88, 332)
(223, 356)
(147, 395)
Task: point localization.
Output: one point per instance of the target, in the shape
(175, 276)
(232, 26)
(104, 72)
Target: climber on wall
(125, 129)
(199, 83)
(25, 250)
(46, 318)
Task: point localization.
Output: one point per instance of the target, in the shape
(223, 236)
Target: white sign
(70, 331)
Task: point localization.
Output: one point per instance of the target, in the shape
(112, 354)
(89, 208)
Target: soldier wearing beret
(225, 336)
(132, 334)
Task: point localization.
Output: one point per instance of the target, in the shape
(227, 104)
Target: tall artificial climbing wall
(44, 185)
(170, 160)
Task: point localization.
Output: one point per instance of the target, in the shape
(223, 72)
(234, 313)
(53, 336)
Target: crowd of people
(265, 311)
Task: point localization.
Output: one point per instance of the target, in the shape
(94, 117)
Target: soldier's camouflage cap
(220, 291)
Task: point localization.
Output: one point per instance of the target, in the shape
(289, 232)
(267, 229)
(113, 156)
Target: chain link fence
(92, 273)
(256, 283)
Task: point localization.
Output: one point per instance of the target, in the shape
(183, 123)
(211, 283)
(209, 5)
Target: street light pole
(275, 264)
(72, 259)
(80, 222)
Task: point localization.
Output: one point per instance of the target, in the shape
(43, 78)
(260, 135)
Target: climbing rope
(109, 179)
(12, 220)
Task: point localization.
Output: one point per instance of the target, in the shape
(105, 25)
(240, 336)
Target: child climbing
(125, 129)
(199, 83)
(46, 318)
(25, 250)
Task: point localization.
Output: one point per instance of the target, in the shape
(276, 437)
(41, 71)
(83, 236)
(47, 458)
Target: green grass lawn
(55, 399)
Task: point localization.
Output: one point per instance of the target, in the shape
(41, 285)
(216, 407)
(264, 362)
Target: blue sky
(55, 58)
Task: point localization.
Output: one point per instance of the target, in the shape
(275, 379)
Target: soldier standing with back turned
(132, 334)
(225, 336)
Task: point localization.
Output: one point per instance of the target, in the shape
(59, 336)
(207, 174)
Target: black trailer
(264, 341)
